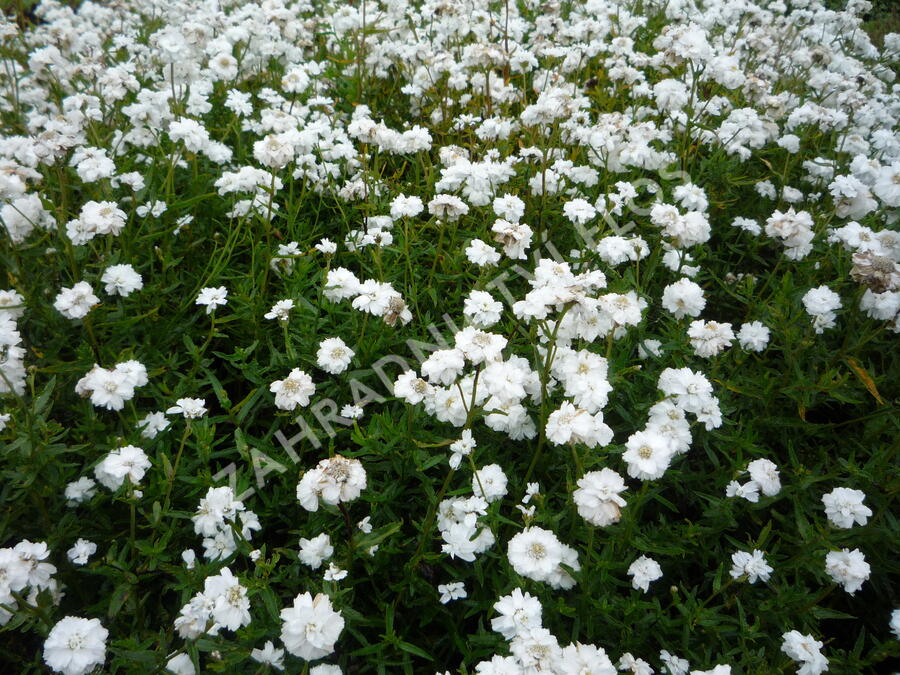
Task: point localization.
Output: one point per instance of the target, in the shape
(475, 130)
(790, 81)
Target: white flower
(334, 480)
(461, 448)
(81, 551)
(352, 412)
(683, 298)
(806, 650)
(127, 462)
(674, 664)
(648, 455)
(597, 497)
(334, 573)
(334, 355)
(844, 507)
(212, 298)
(326, 669)
(281, 310)
(80, 490)
(311, 627)
(481, 309)
(181, 664)
(643, 571)
(579, 211)
(152, 424)
(821, 304)
(405, 207)
(75, 646)
(489, 482)
(190, 408)
(534, 553)
(230, 604)
(482, 254)
(748, 491)
(121, 280)
(753, 336)
(895, 623)
(764, 473)
(327, 247)
(269, 655)
(76, 302)
(293, 390)
(848, 568)
(517, 612)
(315, 551)
(709, 338)
(752, 564)
(509, 207)
(452, 591)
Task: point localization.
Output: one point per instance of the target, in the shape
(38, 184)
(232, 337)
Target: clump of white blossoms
(848, 568)
(794, 229)
(21, 568)
(334, 355)
(75, 646)
(597, 497)
(805, 650)
(821, 304)
(844, 507)
(12, 354)
(709, 338)
(111, 388)
(310, 627)
(127, 462)
(76, 302)
(216, 516)
(334, 481)
(370, 296)
(763, 478)
(642, 571)
(223, 603)
(458, 521)
(538, 554)
(753, 565)
(293, 390)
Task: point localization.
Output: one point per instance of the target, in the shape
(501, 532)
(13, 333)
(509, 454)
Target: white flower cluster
(111, 388)
(763, 478)
(464, 537)
(373, 297)
(535, 649)
(217, 518)
(12, 354)
(821, 304)
(223, 603)
(806, 650)
(22, 568)
(334, 481)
